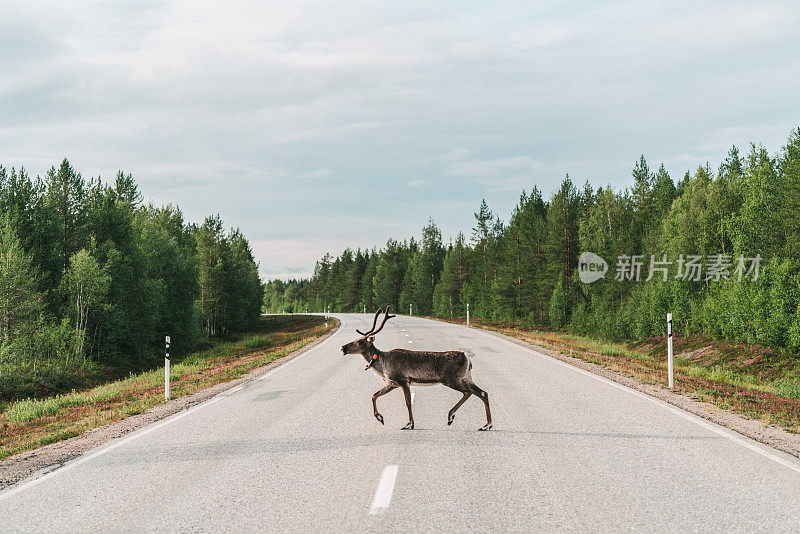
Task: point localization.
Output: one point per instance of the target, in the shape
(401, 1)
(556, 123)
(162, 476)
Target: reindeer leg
(452, 413)
(485, 398)
(382, 391)
(407, 393)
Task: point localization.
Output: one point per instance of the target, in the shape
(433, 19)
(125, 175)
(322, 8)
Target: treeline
(725, 247)
(88, 273)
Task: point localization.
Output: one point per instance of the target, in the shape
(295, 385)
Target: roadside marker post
(669, 350)
(411, 310)
(467, 313)
(166, 370)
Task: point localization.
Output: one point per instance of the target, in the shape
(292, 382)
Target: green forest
(742, 218)
(91, 277)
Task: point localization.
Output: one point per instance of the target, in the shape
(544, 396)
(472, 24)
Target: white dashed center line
(383, 494)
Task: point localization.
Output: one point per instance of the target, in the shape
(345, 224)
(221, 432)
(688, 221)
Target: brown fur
(402, 368)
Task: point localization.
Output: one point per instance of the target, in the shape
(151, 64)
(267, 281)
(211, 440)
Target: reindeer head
(364, 343)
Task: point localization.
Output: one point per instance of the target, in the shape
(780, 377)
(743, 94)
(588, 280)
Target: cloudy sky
(314, 126)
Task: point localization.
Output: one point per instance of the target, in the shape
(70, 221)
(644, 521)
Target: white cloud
(456, 154)
(493, 167)
(245, 109)
(317, 173)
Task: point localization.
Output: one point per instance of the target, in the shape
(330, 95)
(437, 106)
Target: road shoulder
(40, 461)
(773, 436)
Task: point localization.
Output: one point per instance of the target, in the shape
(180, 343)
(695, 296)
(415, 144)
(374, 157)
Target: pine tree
(426, 267)
(66, 192)
(532, 273)
(353, 280)
(486, 241)
(23, 202)
(319, 282)
(642, 194)
(563, 215)
(481, 239)
(126, 189)
(20, 300)
(759, 224)
(389, 275)
(662, 196)
(455, 272)
(733, 166)
(789, 169)
(559, 305)
(368, 300)
(169, 250)
(506, 286)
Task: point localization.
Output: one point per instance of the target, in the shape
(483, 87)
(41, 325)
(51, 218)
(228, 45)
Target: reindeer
(401, 368)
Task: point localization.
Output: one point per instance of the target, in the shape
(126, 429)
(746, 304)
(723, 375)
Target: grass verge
(750, 380)
(32, 423)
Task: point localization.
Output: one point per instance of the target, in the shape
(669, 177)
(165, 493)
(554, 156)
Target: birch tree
(87, 285)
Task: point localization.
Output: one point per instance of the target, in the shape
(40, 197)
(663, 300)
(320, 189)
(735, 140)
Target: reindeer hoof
(379, 417)
(409, 426)
(487, 426)
(450, 419)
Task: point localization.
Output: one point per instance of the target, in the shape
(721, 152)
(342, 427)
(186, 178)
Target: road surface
(301, 451)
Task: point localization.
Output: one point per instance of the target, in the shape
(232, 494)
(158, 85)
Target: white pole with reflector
(166, 370)
(669, 351)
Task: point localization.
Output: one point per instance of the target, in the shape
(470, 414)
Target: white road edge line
(234, 390)
(383, 493)
(290, 362)
(70, 465)
(686, 415)
(111, 447)
(412, 396)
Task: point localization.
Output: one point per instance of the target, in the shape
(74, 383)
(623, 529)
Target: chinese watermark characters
(694, 268)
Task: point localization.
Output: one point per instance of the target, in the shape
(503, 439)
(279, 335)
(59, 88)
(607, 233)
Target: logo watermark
(591, 267)
(695, 268)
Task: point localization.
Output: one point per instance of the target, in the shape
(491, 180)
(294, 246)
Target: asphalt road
(300, 450)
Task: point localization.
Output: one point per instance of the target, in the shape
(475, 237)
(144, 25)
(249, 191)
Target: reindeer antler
(377, 313)
(385, 318)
